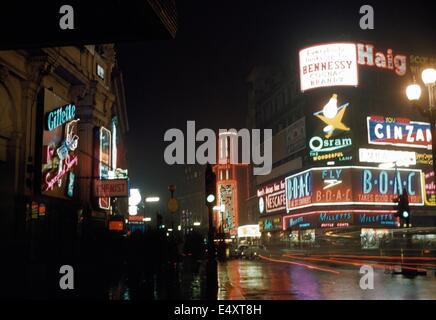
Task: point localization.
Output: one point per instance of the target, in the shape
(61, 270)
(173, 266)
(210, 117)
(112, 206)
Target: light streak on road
(351, 262)
(376, 257)
(308, 266)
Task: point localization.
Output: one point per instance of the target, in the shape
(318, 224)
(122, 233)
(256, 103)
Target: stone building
(63, 122)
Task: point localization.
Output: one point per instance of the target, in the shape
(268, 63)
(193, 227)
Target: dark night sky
(201, 74)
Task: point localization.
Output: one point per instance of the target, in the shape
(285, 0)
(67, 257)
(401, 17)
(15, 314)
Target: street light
(210, 198)
(413, 93)
(429, 76)
(152, 199)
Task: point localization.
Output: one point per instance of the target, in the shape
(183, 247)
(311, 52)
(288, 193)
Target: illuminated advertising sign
(116, 225)
(419, 63)
(332, 185)
(250, 230)
(398, 132)
(377, 218)
(335, 219)
(300, 222)
(60, 141)
(298, 190)
(368, 56)
(342, 219)
(60, 116)
(270, 223)
(227, 199)
(336, 64)
(272, 197)
(70, 185)
(430, 188)
(352, 185)
(332, 144)
(104, 164)
(424, 158)
(333, 64)
(111, 188)
(382, 186)
(400, 158)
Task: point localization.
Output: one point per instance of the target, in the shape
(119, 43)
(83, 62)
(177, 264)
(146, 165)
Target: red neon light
(49, 182)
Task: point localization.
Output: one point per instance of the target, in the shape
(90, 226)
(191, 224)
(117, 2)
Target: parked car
(250, 251)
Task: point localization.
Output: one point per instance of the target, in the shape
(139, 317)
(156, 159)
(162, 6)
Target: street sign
(173, 205)
(111, 188)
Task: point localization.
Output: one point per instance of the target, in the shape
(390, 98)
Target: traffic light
(403, 208)
(210, 184)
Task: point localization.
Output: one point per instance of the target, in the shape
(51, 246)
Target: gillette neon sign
(60, 116)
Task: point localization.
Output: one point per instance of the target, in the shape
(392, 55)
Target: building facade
(346, 144)
(62, 128)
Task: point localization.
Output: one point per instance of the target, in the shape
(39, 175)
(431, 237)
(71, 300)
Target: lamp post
(150, 200)
(413, 93)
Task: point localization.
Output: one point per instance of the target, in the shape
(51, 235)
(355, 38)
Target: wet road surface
(268, 280)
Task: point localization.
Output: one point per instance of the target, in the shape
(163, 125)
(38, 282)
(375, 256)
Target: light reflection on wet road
(248, 279)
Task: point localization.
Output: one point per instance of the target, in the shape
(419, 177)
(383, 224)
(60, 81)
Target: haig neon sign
(366, 55)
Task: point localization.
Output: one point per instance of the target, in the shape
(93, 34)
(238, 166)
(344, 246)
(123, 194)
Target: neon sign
(430, 189)
(70, 185)
(328, 148)
(389, 182)
(105, 162)
(341, 219)
(60, 116)
(398, 132)
(333, 64)
(298, 190)
(227, 198)
(400, 158)
(352, 185)
(369, 57)
(272, 197)
(60, 160)
(250, 230)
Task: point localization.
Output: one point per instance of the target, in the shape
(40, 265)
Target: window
(100, 71)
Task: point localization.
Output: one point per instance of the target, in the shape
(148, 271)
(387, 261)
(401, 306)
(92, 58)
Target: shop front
(364, 228)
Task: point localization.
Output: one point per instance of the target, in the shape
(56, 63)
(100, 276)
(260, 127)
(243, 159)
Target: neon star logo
(332, 116)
